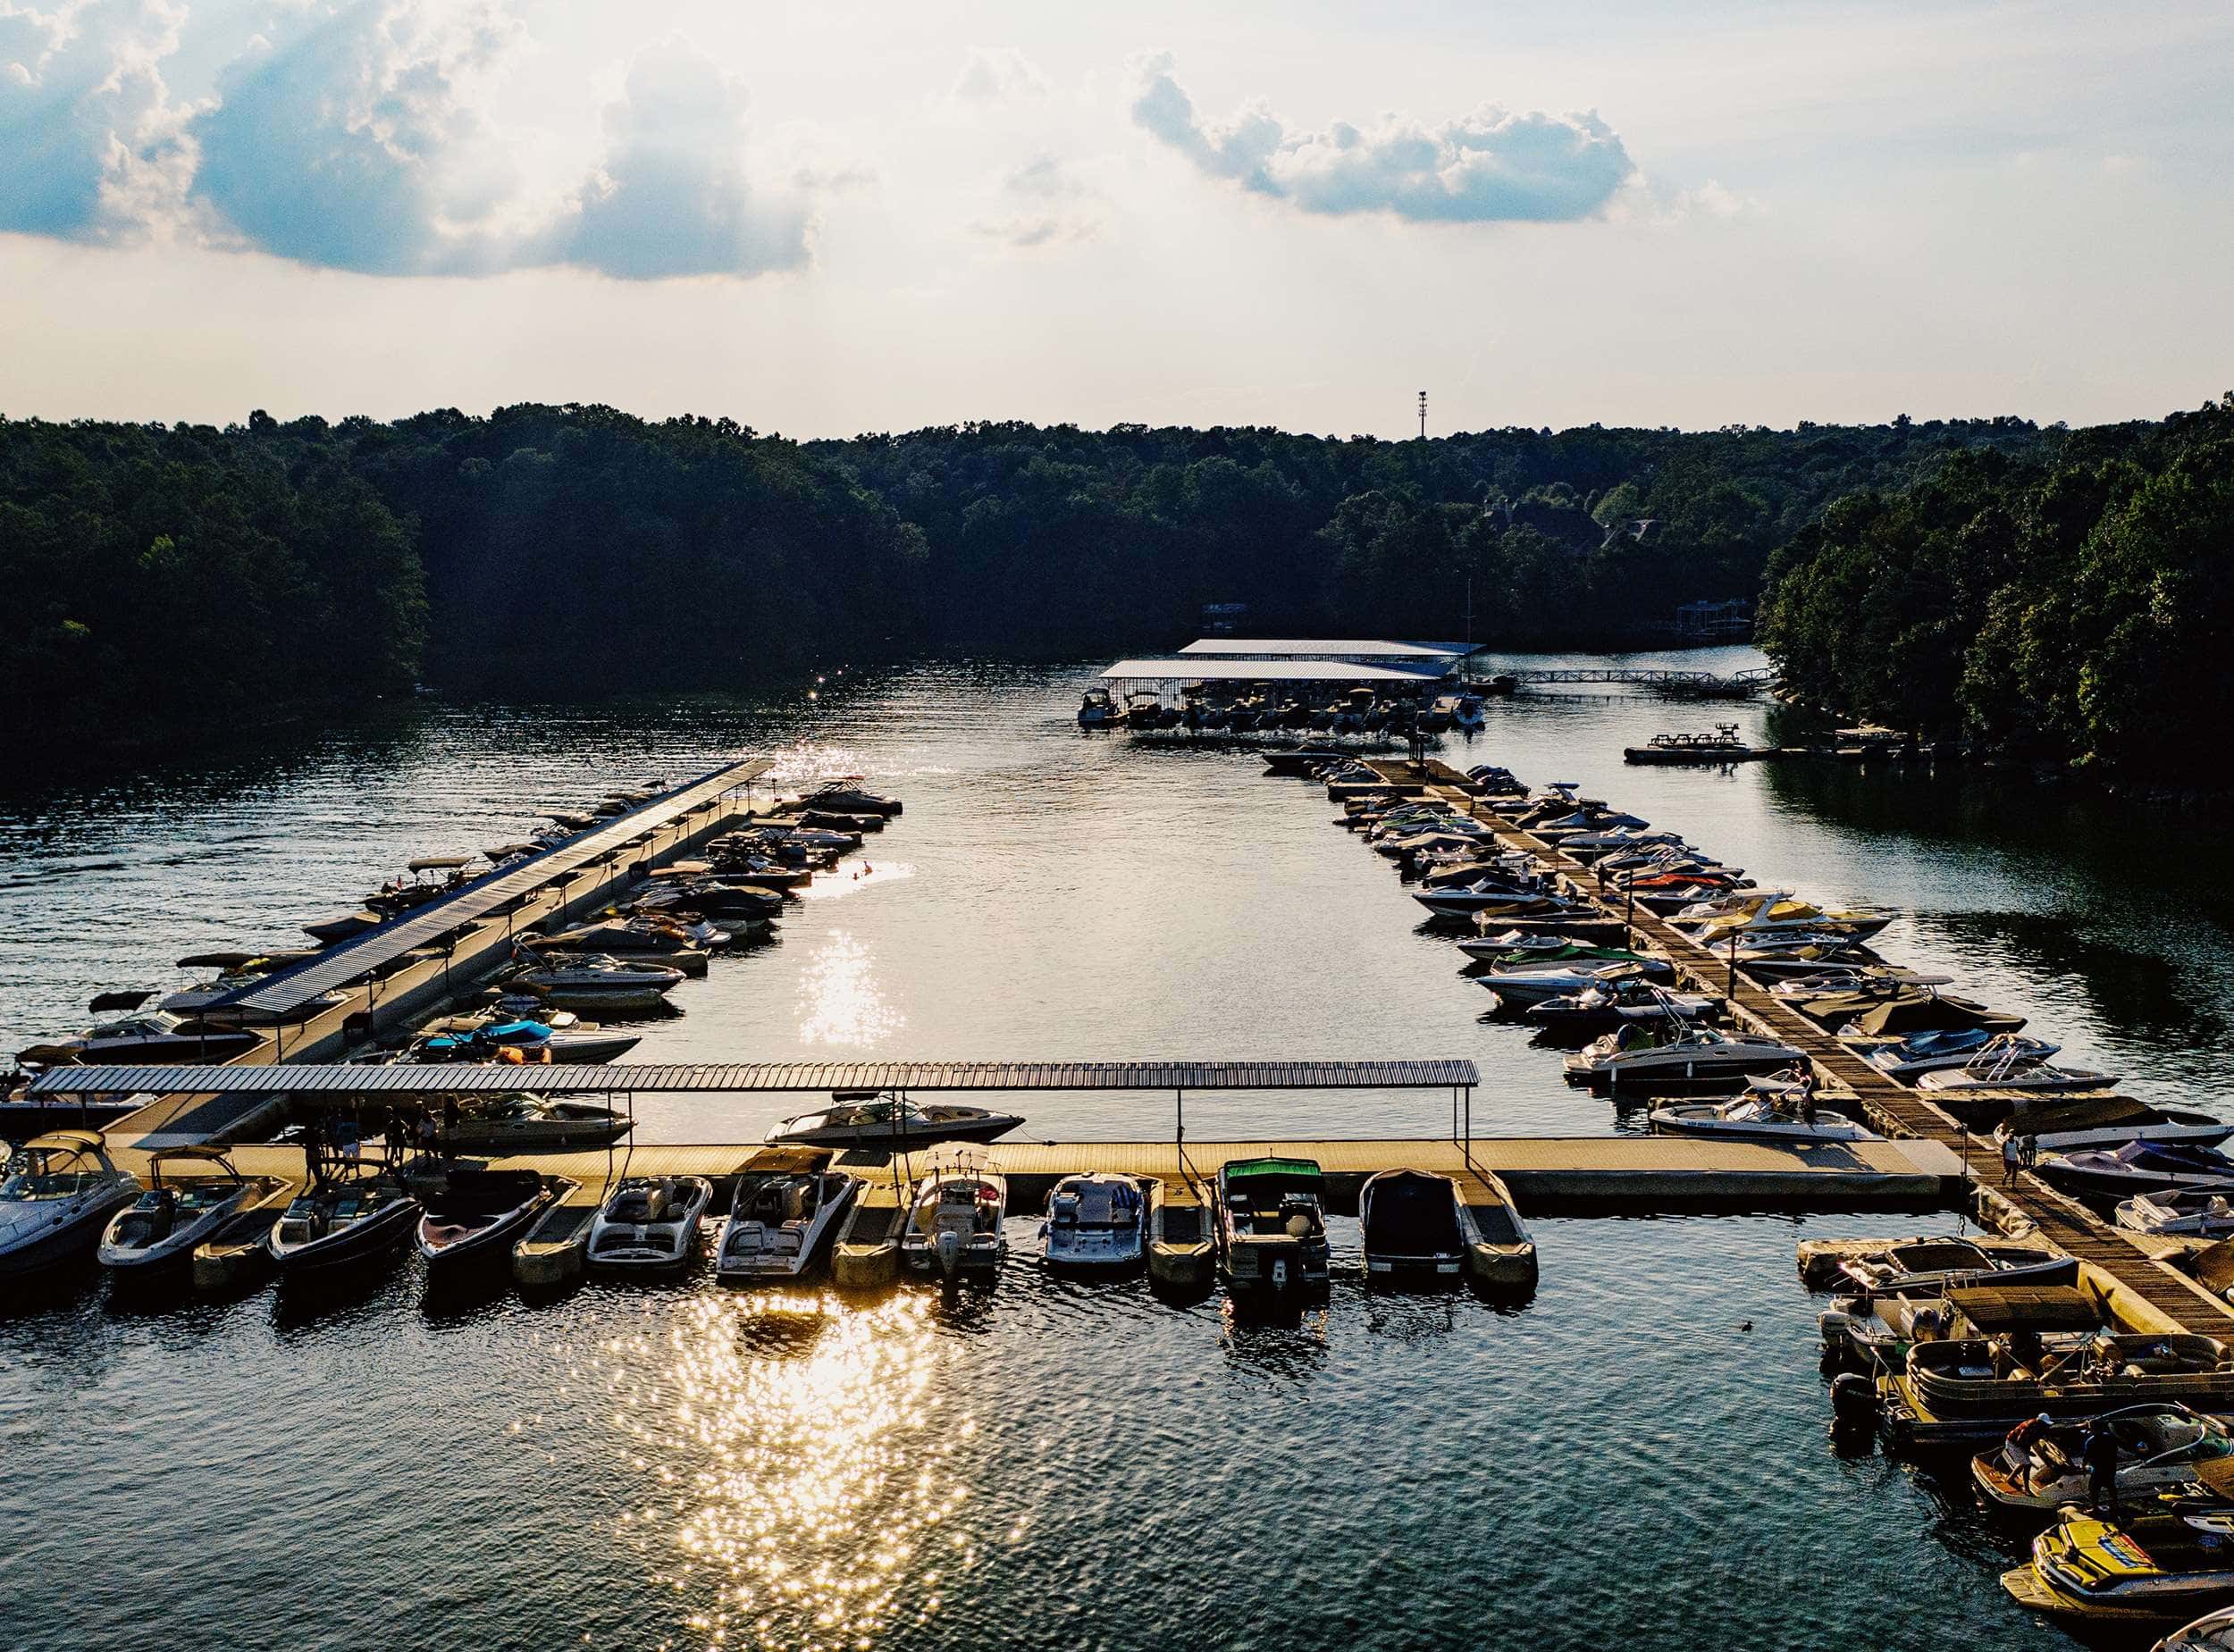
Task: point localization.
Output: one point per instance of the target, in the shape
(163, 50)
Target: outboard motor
(949, 1252)
(1853, 1404)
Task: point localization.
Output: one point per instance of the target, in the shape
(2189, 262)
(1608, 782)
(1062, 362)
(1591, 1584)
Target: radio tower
(1423, 416)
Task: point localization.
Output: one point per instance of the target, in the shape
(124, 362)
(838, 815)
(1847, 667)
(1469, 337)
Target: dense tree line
(2068, 608)
(182, 580)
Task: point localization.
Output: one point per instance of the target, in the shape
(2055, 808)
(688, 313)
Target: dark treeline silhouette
(180, 582)
(2074, 607)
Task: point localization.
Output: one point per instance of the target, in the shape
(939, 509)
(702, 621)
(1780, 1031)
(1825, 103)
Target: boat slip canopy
(285, 991)
(1366, 649)
(344, 1079)
(1203, 670)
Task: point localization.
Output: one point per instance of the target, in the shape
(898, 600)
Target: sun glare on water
(795, 1467)
(839, 1001)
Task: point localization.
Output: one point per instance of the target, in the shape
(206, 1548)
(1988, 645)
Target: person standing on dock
(2100, 1454)
(2012, 1158)
(313, 1160)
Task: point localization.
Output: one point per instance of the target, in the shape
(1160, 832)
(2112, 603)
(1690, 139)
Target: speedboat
(179, 1211)
(853, 801)
(1990, 1070)
(1414, 1223)
(1756, 1118)
(534, 1040)
(159, 1036)
(1517, 985)
(1905, 1008)
(954, 1223)
(646, 940)
(2162, 1446)
(1614, 1000)
(1934, 1267)
(342, 928)
(340, 1224)
(1272, 1225)
(2213, 1632)
(2066, 1123)
(868, 1119)
(783, 1215)
(2153, 1566)
(2137, 1167)
(1960, 1046)
(477, 1214)
(59, 1193)
(649, 1223)
(523, 1123)
(2198, 1212)
(595, 982)
(1094, 1223)
(1695, 1060)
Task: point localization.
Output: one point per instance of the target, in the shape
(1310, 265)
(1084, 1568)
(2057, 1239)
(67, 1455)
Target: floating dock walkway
(2061, 1221)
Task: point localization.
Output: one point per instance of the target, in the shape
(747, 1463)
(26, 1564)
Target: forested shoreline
(177, 583)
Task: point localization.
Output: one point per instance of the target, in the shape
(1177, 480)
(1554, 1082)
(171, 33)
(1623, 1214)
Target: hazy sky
(823, 218)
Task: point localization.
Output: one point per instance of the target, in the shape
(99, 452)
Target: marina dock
(2128, 1258)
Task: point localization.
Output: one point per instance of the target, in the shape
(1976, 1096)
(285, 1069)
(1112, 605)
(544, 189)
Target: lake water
(1620, 1460)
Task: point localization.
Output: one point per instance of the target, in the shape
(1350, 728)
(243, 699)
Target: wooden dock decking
(2126, 1257)
(1581, 1175)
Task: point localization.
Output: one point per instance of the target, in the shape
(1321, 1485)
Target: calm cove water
(1618, 1462)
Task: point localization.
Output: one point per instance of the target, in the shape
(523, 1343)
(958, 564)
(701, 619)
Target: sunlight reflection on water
(839, 1001)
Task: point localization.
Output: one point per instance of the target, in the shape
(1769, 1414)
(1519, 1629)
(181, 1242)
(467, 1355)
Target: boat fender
(1853, 1400)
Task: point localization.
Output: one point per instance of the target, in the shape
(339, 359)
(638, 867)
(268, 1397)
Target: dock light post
(1629, 906)
(1729, 979)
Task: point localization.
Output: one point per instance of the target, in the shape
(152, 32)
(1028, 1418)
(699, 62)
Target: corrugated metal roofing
(1209, 670)
(285, 991)
(307, 1079)
(1338, 648)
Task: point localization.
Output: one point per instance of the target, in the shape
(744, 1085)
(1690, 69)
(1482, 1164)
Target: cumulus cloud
(85, 118)
(1042, 202)
(361, 138)
(673, 197)
(996, 75)
(1490, 166)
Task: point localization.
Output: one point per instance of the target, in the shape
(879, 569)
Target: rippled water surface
(1636, 1457)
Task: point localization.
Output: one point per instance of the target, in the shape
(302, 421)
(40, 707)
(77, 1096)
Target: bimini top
(828, 1077)
(1362, 648)
(1205, 669)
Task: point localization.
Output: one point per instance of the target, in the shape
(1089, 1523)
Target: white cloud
(87, 129)
(1490, 166)
(1042, 202)
(996, 75)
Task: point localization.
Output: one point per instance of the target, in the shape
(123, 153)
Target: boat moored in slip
(595, 983)
(343, 1224)
(477, 1215)
(57, 1193)
(2149, 1565)
(1926, 1052)
(2056, 1123)
(1756, 1117)
(650, 1224)
(953, 1221)
(2161, 1446)
(1272, 1226)
(1696, 1061)
(873, 1119)
(2109, 1175)
(193, 1194)
(2188, 1212)
(786, 1211)
(1418, 1226)
(1094, 1223)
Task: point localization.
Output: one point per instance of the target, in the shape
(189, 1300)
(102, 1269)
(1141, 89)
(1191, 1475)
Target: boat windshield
(38, 1183)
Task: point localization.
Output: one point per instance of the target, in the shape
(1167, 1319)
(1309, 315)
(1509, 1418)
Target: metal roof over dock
(285, 991)
(1365, 650)
(1205, 669)
(464, 1079)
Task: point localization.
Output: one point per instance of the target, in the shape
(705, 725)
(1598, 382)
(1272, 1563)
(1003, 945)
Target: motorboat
(536, 1040)
(1756, 1118)
(953, 1221)
(869, 1119)
(649, 1223)
(524, 1123)
(1413, 1222)
(476, 1215)
(59, 1192)
(342, 1224)
(1095, 1223)
(2113, 1174)
(1932, 1267)
(1929, 1051)
(596, 983)
(193, 1194)
(1272, 1225)
(159, 1036)
(1615, 1000)
(1977, 1388)
(235, 971)
(784, 1212)
(853, 801)
(2192, 1212)
(1873, 1331)
(1516, 947)
(1755, 913)
(2162, 1447)
(1906, 1009)
(2213, 1632)
(629, 941)
(1697, 1060)
(2007, 1069)
(2154, 1565)
(2056, 1123)
(347, 926)
(1535, 982)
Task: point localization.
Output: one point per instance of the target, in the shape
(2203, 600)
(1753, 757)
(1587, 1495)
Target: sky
(835, 217)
